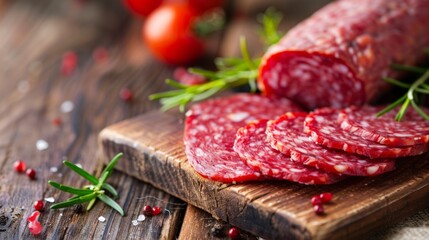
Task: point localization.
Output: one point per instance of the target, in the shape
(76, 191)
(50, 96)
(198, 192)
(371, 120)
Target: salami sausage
(324, 129)
(286, 134)
(338, 56)
(252, 146)
(411, 130)
(210, 130)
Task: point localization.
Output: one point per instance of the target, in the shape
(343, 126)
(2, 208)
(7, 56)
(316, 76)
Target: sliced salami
(210, 130)
(412, 130)
(323, 127)
(252, 146)
(339, 55)
(287, 135)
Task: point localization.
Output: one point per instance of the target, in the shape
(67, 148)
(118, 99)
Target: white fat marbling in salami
(210, 130)
(252, 146)
(286, 134)
(324, 129)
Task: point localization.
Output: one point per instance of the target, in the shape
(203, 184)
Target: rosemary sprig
(411, 97)
(232, 72)
(90, 193)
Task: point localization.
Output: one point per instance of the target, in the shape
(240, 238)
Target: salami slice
(287, 135)
(324, 129)
(338, 56)
(413, 129)
(210, 130)
(252, 146)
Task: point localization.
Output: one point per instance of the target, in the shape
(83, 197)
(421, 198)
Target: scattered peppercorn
(78, 208)
(19, 166)
(31, 173)
(316, 200)
(126, 95)
(147, 210)
(218, 230)
(57, 121)
(318, 209)
(156, 211)
(326, 197)
(69, 63)
(234, 233)
(38, 205)
(3, 220)
(100, 54)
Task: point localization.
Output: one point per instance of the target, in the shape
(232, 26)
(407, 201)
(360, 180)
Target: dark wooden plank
(276, 210)
(34, 38)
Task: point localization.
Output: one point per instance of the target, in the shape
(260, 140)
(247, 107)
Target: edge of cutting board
(154, 153)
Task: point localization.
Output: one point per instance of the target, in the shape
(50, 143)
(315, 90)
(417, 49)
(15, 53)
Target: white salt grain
(101, 219)
(141, 218)
(42, 145)
(50, 199)
(78, 165)
(67, 106)
(135, 222)
(53, 169)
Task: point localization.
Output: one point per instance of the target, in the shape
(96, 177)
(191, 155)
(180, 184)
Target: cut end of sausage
(311, 79)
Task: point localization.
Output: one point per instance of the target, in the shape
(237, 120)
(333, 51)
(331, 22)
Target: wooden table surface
(34, 35)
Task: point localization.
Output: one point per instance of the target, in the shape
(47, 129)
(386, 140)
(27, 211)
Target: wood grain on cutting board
(154, 152)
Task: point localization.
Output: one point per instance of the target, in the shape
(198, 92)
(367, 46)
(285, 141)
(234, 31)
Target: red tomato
(168, 34)
(204, 5)
(142, 7)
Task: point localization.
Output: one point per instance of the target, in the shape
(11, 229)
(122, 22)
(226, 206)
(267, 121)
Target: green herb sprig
(232, 72)
(90, 193)
(412, 96)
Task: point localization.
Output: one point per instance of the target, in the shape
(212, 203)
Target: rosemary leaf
(167, 94)
(408, 68)
(175, 84)
(75, 200)
(91, 204)
(81, 172)
(391, 106)
(420, 111)
(107, 200)
(270, 21)
(402, 110)
(396, 82)
(89, 193)
(109, 169)
(110, 189)
(72, 190)
(245, 53)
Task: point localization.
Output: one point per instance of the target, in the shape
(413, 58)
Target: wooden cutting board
(154, 153)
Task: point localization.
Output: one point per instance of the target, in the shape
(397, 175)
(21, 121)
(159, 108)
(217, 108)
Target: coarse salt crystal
(42, 145)
(135, 222)
(101, 219)
(50, 199)
(53, 169)
(141, 218)
(67, 106)
(78, 165)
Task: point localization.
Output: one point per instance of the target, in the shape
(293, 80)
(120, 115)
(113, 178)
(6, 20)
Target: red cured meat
(287, 135)
(325, 130)
(210, 130)
(338, 56)
(411, 130)
(252, 146)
